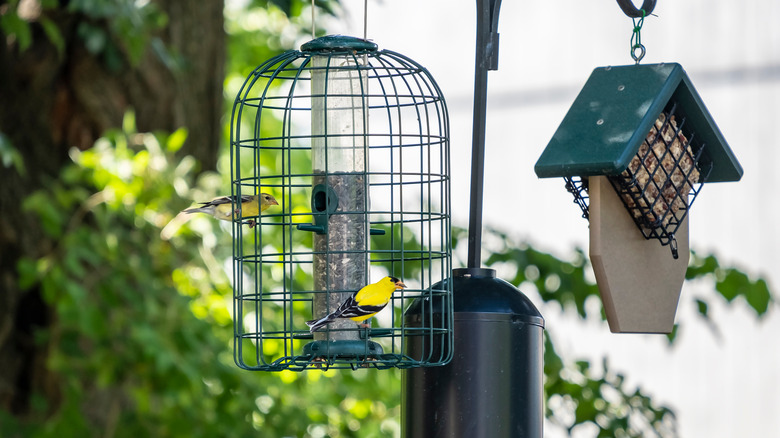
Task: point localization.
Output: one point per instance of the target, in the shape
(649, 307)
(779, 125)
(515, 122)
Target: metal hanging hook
(637, 48)
(673, 246)
(629, 9)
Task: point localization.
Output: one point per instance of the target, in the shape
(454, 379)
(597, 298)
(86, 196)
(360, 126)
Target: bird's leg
(250, 222)
(363, 328)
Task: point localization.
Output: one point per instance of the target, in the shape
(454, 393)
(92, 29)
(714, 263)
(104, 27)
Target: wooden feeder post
(635, 149)
(340, 158)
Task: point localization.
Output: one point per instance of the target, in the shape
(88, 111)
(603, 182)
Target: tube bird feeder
(353, 142)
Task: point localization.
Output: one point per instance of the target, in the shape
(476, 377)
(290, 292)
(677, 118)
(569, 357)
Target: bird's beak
(400, 285)
(273, 202)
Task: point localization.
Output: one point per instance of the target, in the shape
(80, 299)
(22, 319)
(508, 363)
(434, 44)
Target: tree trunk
(49, 103)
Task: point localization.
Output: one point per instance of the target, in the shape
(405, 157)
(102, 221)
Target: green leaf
(15, 26)
(759, 297)
(53, 33)
(10, 156)
(673, 334)
(28, 272)
(701, 266)
(51, 217)
(128, 122)
(95, 38)
(732, 284)
(176, 140)
(702, 307)
(163, 54)
(74, 266)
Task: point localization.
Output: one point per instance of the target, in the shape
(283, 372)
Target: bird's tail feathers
(207, 210)
(316, 324)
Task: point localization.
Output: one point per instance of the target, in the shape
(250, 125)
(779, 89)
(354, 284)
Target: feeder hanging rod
(629, 9)
(486, 59)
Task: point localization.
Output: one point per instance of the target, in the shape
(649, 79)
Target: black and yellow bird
(363, 304)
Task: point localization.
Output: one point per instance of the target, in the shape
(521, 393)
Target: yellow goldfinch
(363, 304)
(222, 208)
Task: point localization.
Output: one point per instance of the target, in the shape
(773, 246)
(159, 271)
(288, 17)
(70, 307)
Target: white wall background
(720, 386)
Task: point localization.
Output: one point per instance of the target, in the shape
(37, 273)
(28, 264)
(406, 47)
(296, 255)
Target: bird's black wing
(350, 308)
(227, 200)
(362, 311)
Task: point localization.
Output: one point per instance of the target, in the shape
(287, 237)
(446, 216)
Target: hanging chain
(637, 49)
(365, 20)
(365, 29)
(312, 20)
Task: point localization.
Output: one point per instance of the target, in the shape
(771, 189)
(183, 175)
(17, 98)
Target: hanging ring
(629, 9)
(638, 52)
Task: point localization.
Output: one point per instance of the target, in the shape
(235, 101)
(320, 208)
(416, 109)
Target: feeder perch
(644, 131)
(353, 142)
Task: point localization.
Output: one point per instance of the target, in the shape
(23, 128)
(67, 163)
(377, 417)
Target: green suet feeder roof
(612, 115)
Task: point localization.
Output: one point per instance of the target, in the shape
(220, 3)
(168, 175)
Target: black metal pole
(492, 388)
(486, 59)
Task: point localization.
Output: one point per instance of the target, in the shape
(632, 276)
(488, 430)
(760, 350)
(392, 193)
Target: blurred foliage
(261, 29)
(145, 326)
(130, 29)
(578, 392)
(576, 395)
(143, 342)
(10, 156)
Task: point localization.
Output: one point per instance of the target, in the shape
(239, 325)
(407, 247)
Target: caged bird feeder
(635, 149)
(354, 144)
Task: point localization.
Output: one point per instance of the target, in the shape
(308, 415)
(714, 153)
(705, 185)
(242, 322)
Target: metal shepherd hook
(629, 9)
(487, 59)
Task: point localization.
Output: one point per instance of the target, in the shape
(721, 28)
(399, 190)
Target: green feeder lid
(339, 43)
(612, 115)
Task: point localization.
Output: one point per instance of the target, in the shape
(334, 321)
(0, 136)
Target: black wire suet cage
(661, 181)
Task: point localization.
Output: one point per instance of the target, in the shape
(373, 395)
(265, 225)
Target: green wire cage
(353, 142)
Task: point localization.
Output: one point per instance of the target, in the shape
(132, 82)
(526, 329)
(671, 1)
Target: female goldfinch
(222, 208)
(363, 304)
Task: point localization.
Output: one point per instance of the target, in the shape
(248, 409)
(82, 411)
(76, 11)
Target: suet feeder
(353, 142)
(635, 150)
